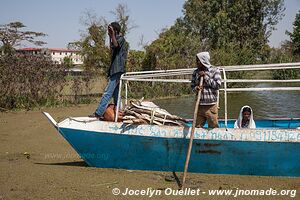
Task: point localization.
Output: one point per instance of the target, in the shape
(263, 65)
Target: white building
(56, 54)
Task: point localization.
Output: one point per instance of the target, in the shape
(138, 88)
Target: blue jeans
(111, 90)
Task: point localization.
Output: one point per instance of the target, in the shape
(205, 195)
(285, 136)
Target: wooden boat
(272, 149)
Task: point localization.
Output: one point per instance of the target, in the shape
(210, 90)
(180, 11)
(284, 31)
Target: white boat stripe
(259, 135)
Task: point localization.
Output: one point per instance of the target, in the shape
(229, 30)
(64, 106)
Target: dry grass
(96, 87)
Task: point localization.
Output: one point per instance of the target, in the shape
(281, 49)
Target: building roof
(50, 49)
(29, 49)
(62, 50)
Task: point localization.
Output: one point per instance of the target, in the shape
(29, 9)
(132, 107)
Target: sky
(60, 19)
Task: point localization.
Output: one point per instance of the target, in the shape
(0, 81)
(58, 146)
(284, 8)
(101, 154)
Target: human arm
(112, 35)
(214, 81)
(195, 81)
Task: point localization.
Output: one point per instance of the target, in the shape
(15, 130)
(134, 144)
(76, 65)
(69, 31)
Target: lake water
(265, 104)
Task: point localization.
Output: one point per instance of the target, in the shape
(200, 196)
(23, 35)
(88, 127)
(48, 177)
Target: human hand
(111, 31)
(201, 73)
(197, 88)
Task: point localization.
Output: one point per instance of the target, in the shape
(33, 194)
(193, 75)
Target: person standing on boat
(245, 119)
(208, 107)
(118, 46)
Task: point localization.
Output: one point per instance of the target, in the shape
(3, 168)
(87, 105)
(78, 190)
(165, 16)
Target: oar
(192, 134)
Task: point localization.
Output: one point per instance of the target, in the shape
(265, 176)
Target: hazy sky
(60, 19)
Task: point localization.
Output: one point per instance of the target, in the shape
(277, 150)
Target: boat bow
(51, 120)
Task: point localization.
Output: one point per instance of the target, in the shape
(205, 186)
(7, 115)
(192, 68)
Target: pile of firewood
(139, 112)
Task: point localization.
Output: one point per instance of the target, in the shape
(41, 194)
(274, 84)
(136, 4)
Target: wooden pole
(192, 134)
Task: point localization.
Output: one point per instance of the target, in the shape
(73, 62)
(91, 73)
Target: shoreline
(19, 110)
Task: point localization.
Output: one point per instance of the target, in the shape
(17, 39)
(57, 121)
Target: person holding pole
(208, 107)
(206, 82)
(118, 46)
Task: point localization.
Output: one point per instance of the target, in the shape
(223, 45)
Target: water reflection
(265, 104)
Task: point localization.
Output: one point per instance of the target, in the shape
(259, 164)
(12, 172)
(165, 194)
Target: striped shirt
(211, 85)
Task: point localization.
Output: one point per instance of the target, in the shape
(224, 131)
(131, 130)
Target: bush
(81, 87)
(155, 90)
(29, 80)
(283, 55)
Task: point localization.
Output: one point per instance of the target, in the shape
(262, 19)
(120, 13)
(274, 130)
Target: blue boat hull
(137, 152)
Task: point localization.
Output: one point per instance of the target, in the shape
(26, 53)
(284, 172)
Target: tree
(295, 35)
(235, 32)
(241, 22)
(175, 48)
(11, 36)
(135, 60)
(92, 44)
(121, 14)
(68, 62)
(288, 52)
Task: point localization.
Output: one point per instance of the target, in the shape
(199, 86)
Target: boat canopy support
(167, 76)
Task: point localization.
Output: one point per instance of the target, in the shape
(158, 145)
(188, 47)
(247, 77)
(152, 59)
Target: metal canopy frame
(159, 76)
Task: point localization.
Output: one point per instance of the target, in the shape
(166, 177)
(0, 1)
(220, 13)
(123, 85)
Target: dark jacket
(118, 57)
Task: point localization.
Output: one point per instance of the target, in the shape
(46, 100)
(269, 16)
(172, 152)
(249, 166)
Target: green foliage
(222, 22)
(235, 33)
(11, 36)
(285, 74)
(283, 55)
(68, 62)
(173, 49)
(233, 55)
(92, 47)
(135, 60)
(156, 90)
(295, 35)
(81, 85)
(19, 75)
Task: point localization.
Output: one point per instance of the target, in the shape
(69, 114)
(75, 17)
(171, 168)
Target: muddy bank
(37, 163)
